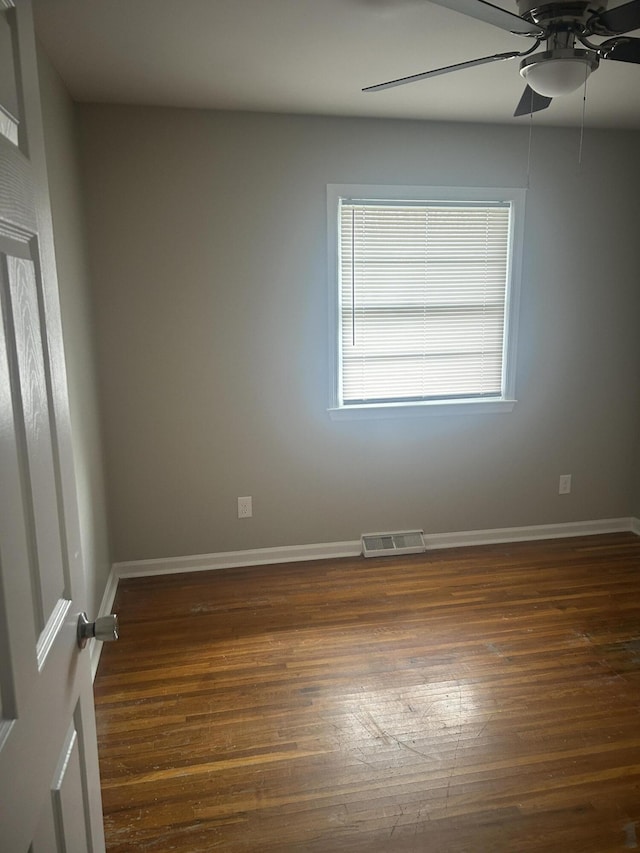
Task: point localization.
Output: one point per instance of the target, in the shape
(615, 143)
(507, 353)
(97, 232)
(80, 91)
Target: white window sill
(411, 410)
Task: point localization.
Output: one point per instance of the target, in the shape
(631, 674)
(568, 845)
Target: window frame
(472, 405)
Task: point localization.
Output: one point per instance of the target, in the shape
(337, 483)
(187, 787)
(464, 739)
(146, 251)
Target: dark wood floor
(466, 701)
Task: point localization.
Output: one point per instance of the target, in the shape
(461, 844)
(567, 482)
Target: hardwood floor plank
(467, 701)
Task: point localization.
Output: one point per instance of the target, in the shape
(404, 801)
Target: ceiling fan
(562, 67)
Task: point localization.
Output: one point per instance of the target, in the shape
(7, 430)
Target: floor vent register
(387, 544)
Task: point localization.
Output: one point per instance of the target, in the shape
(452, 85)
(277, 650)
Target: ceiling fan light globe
(556, 76)
(558, 72)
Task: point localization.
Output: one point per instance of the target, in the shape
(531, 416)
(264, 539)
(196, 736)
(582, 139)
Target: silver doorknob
(105, 629)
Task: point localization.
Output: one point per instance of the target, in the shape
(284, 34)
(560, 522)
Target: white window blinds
(423, 290)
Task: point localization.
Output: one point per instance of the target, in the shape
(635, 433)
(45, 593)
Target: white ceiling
(308, 56)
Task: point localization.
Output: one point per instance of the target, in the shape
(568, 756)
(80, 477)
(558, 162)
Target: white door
(49, 785)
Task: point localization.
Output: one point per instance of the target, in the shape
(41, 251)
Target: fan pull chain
(529, 149)
(584, 109)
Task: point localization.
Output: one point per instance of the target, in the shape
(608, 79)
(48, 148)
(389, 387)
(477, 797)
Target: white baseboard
(237, 559)
(300, 553)
(104, 610)
(531, 533)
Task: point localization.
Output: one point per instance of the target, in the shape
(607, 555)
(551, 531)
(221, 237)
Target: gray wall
(60, 129)
(208, 245)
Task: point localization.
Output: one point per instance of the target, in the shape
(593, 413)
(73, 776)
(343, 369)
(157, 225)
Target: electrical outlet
(245, 508)
(564, 486)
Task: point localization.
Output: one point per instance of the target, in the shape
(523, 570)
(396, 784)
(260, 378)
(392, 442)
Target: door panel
(49, 784)
(40, 490)
(62, 826)
(19, 661)
(67, 799)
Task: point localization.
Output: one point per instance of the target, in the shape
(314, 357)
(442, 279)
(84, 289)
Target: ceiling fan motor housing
(559, 11)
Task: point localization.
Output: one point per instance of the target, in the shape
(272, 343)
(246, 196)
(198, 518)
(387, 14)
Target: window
(424, 298)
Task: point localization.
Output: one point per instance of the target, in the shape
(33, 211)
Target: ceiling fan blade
(531, 102)
(621, 49)
(621, 19)
(437, 71)
(490, 14)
